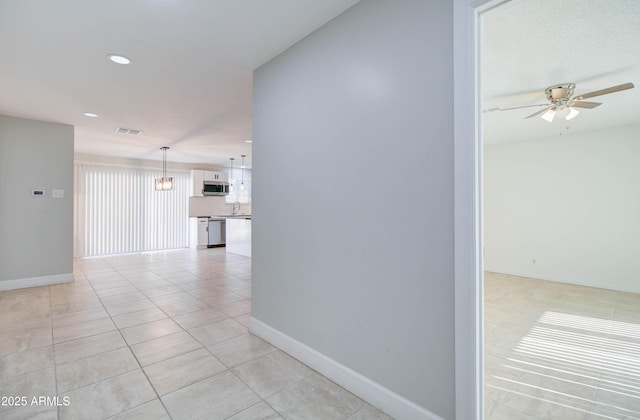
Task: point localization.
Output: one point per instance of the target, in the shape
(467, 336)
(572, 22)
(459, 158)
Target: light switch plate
(57, 193)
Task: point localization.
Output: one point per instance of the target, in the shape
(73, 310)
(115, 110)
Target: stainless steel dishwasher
(217, 232)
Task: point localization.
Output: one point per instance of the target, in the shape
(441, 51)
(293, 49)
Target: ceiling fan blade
(542, 111)
(484, 111)
(584, 104)
(606, 91)
(520, 107)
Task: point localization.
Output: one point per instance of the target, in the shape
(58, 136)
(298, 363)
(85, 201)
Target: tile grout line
(127, 346)
(53, 350)
(134, 355)
(107, 269)
(183, 329)
(227, 368)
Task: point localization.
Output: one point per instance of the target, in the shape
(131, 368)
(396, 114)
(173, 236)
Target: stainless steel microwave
(215, 188)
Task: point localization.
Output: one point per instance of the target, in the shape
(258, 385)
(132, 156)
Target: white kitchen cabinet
(215, 176)
(203, 232)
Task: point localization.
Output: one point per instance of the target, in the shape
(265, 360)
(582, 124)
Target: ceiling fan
(562, 102)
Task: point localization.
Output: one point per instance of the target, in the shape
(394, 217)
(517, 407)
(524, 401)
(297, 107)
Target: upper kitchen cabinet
(215, 176)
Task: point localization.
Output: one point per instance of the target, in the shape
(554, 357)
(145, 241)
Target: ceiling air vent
(128, 131)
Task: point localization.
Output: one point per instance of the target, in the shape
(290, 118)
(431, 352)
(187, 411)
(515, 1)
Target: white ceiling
(188, 87)
(528, 45)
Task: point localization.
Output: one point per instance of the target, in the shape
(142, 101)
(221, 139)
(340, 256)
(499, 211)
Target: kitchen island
(239, 235)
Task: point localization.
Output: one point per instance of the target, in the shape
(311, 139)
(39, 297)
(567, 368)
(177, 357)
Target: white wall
(36, 236)
(144, 163)
(569, 202)
(354, 260)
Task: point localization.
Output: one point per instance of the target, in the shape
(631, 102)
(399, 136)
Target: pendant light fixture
(165, 183)
(242, 182)
(231, 175)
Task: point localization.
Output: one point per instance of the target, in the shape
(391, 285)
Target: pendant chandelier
(165, 183)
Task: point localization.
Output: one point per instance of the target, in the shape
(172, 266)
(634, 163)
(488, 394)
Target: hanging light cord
(231, 176)
(164, 163)
(242, 182)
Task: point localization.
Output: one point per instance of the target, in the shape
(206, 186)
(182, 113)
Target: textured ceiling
(189, 86)
(528, 45)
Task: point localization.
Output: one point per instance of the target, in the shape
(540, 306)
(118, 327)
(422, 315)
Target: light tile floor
(155, 335)
(559, 351)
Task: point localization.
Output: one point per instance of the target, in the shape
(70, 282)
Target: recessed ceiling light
(120, 59)
(90, 115)
(248, 141)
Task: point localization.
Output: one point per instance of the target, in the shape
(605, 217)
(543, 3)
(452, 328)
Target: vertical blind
(117, 210)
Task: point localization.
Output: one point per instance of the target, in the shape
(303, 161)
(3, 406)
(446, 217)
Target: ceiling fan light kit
(549, 115)
(562, 111)
(566, 112)
(572, 114)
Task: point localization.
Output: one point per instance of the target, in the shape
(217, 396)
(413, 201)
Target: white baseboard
(36, 281)
(377, 395)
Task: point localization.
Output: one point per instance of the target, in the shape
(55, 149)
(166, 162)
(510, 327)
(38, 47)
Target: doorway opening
(558, 292)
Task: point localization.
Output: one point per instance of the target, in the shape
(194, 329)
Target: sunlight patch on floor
(555, 360)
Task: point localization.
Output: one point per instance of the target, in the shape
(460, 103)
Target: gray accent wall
(353, 196)
(36, 233)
